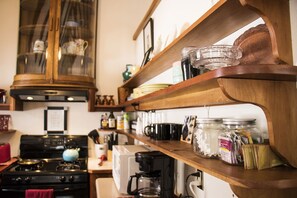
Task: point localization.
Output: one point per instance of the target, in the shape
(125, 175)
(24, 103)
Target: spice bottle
(111, 121)
(104, 121)
(126, 121)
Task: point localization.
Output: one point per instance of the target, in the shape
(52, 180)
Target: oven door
(60, 190)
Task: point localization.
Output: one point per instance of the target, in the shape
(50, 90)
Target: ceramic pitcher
(81, 46)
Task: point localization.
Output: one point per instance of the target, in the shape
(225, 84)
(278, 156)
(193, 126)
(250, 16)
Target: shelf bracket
(276, 15)
(278, 100)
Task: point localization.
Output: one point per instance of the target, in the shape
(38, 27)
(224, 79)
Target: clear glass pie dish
(215, 56)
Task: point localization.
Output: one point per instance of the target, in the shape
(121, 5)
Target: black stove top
(50, 165)
(50, 168)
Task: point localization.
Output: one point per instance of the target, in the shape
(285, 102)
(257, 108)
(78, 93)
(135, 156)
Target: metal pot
(29, 162)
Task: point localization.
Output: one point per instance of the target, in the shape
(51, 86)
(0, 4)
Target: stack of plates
(146, 89)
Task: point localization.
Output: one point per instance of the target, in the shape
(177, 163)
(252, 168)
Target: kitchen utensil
(94, 135)
(29, 162)
(147, 184)
(101, 159)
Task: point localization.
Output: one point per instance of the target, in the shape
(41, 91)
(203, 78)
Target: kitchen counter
(93, 166)
(106, 188)
(95, 171)
(6, 164)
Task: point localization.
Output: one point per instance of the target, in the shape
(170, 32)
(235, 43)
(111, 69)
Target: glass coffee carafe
(147, 184)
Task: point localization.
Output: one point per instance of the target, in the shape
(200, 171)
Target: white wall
(116, 48)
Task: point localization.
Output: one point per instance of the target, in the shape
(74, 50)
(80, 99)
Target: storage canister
(236, 133)
(205, 142)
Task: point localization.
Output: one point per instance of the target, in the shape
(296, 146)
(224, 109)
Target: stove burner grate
(65, 166)
(32, 167)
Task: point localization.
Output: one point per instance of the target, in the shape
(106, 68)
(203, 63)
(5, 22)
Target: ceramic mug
(81, 46)
(71, 47)
(38, 46)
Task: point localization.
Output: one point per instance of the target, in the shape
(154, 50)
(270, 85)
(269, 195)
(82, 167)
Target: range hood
(49, 95)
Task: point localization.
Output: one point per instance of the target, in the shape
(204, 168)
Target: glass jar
(236, 133)
(205, 142)
(187, 69)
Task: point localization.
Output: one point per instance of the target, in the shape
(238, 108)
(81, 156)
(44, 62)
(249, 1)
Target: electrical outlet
(200, 180)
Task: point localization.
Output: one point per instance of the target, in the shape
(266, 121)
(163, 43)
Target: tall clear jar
(205, 141)
(236, 133)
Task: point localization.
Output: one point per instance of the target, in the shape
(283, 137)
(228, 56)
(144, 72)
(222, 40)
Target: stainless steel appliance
(42, 167)
(156, 178)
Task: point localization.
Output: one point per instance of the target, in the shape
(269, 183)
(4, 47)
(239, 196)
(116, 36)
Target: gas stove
(44, 168)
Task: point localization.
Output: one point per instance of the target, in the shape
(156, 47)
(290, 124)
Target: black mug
(163, 131)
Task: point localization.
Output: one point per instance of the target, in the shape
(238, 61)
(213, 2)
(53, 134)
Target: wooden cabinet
(4, 107)
(271, 87)
(57, 44)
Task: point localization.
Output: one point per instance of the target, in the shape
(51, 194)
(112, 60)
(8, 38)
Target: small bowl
(216, 56)
(71, 24)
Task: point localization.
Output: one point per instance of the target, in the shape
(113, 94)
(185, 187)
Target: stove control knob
(71, 178)
(27, 180)
(62, 178)
(18, 180)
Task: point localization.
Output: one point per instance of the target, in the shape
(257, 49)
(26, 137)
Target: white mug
(38, 46)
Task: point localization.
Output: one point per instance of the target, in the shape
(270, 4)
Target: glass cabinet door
(33, 36)
(77, 38)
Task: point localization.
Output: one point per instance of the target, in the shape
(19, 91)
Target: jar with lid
(205, 142)
(236, 133)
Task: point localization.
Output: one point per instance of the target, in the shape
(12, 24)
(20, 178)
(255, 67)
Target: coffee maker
(156, 178)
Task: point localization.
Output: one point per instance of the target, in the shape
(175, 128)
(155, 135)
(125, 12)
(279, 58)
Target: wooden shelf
(6, 132)
(34, 29)
(76, 32)
(268, 86)
(224, 18)
(183, 94)
(5, 107)
(114, 108)
(274, 178)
